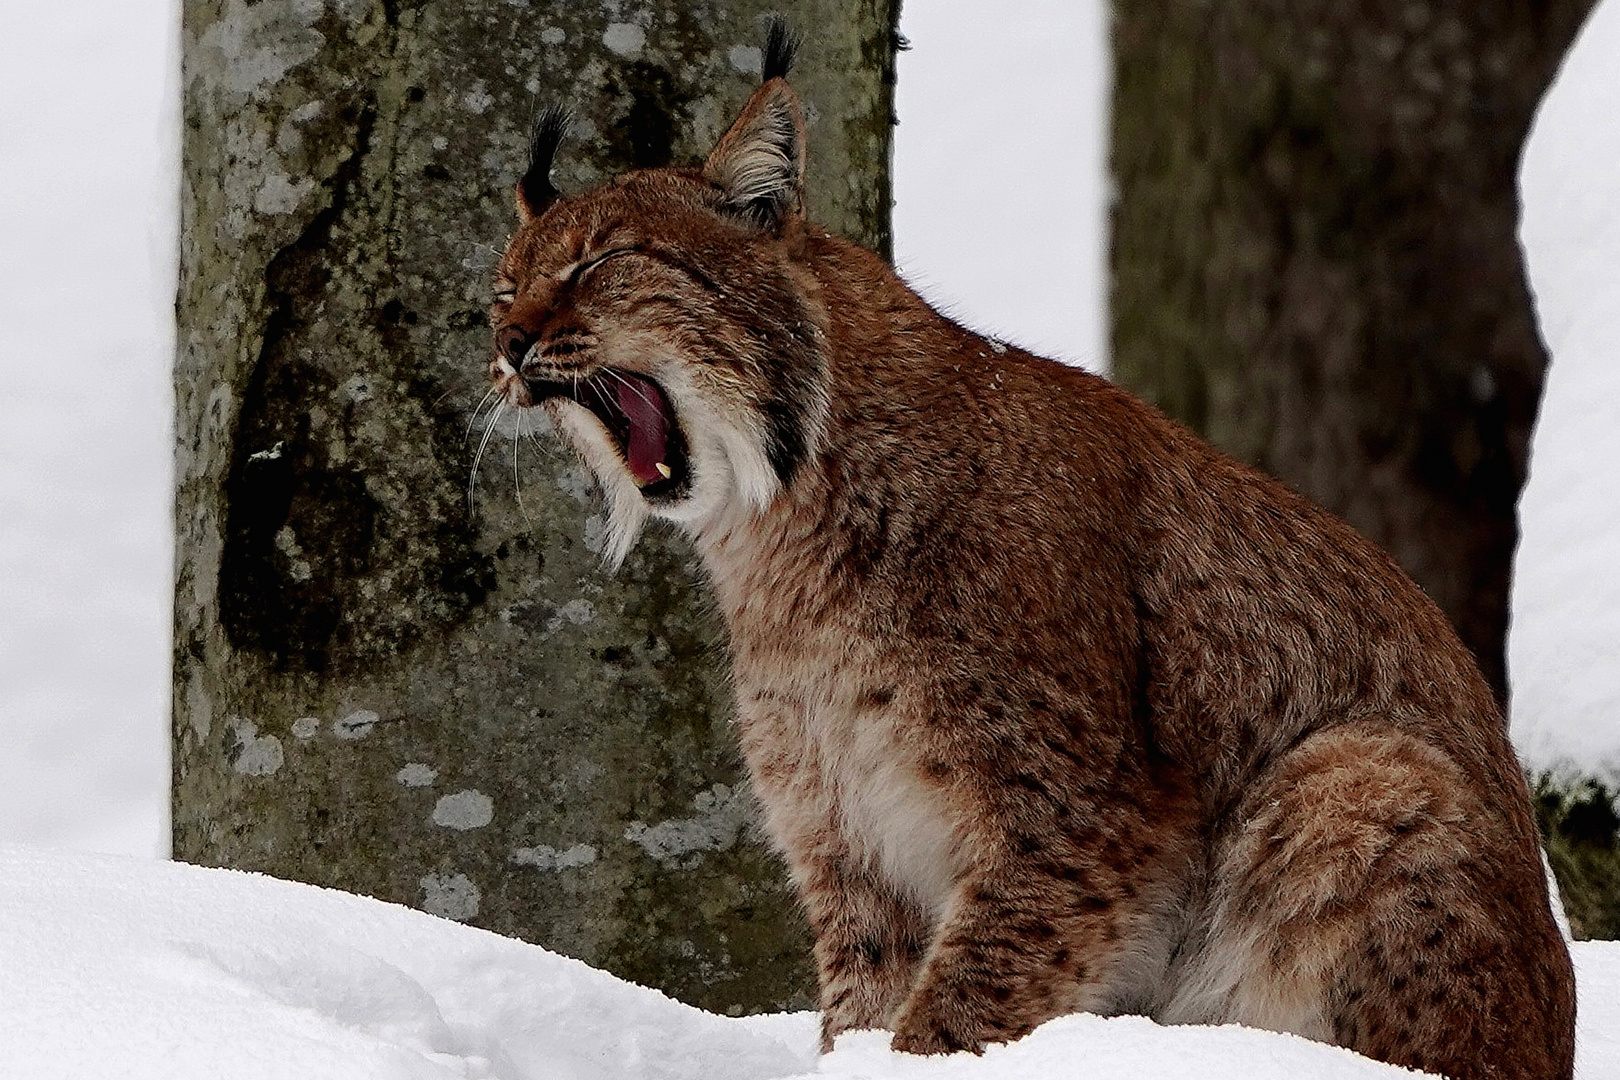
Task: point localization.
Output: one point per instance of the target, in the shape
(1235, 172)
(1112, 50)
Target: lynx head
(661, 321)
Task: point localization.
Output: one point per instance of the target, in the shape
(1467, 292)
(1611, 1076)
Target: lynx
(1050, 706)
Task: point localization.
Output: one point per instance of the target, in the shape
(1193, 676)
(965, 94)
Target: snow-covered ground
(145, 970)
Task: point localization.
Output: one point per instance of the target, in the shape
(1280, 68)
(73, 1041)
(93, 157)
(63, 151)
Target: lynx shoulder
(1049, 706)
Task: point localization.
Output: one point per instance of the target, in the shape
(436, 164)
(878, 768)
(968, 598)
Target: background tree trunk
(1315, 259)
(376, 689)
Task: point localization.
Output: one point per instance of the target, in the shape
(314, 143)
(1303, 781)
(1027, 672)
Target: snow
(148, 970)
(1564, 650)
(132, 968)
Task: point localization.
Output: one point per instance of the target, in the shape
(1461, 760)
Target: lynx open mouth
(637, 414)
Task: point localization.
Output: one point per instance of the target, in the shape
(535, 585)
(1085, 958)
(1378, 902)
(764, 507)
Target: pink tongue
(648, 429)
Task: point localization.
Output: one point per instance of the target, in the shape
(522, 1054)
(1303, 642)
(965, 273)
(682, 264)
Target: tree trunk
(376, 687)
(1315, 259)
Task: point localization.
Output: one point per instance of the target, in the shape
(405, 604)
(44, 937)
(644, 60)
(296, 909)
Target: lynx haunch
(1050, 706)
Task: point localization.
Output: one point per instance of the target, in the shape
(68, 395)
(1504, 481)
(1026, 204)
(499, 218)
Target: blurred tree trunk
(1315, 259)
(377, 688)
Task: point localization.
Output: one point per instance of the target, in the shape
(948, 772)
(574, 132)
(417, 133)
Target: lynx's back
(1049, 706)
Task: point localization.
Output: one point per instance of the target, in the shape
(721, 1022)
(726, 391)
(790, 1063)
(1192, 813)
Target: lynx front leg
(869, 938)
(869, 944)
(1023, 944)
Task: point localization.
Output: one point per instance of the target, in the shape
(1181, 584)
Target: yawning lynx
(1050, 706)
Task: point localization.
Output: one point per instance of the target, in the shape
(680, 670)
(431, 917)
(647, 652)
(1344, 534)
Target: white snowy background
(126, 966)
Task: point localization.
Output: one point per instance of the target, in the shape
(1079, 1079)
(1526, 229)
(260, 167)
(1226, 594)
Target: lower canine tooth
(664, 470)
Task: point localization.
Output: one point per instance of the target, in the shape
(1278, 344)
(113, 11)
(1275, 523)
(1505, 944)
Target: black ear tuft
(759, 161)
(781, 48)
(535, 190)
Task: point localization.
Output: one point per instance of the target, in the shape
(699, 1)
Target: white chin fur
(627, 511)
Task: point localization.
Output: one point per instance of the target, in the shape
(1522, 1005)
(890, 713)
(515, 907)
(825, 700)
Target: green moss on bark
(1582, 834)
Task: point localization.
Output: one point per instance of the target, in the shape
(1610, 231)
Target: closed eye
(580, 269)
(505, 291)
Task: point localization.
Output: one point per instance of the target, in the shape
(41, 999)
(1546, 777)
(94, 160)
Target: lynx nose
(513, 342)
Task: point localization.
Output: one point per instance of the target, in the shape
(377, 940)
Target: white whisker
(517, 481)
(473, 419)
(442, 398)
(637, 390)
(489, 431)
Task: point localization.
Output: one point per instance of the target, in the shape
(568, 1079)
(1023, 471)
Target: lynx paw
(932, 1031)
(935, 1040)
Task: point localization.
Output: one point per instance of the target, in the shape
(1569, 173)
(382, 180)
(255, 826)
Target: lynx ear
(535, 191)
(759, 163)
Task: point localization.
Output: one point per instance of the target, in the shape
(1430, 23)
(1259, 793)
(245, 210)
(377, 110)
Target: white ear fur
(759, 163)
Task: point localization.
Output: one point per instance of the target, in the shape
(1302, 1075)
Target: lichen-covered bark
(1315, 259)
(377, 686)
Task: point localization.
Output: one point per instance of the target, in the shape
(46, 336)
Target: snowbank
(1564, 651)
(137, 969)
(145, 970)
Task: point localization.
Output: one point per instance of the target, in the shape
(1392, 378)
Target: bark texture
(1315, 259)
(377, 688)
